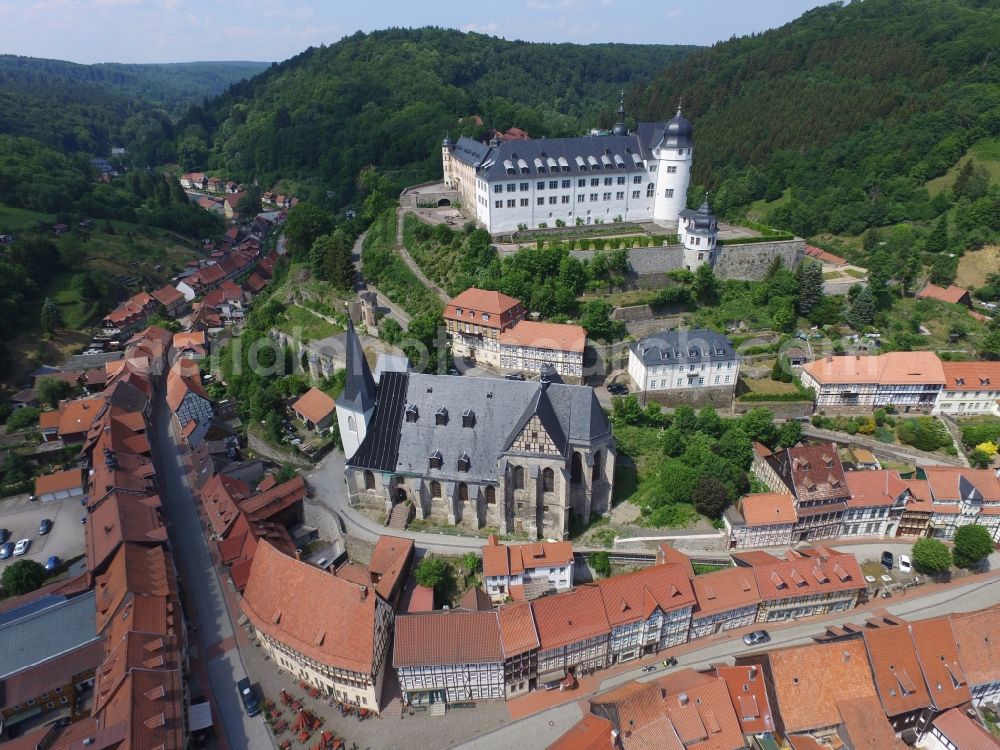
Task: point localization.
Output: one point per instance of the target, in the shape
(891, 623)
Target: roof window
(411, 413)
(441, 416)
(464, 462)
(468, 418)
(435, 460)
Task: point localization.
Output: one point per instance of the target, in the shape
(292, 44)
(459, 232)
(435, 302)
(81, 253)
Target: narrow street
(214, 636)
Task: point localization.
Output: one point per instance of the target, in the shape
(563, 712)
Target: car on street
(45, 526)
(514, 376)
(52, 563)
(887, 560)
(249, 697)
(21, 547)
(552, 685)
(649, 668)
(6, 550)
(756, 637)
(905, 566)
(4, 535)
(617, 389)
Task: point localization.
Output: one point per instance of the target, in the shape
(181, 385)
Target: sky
(88, 31)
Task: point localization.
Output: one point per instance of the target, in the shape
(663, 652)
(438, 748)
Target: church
(597, 179)
(517, 456)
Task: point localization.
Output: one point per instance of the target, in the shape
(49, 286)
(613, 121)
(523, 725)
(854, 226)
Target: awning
(199, 716)
(555, 674)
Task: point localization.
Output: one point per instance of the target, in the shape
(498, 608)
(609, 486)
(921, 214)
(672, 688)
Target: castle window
(435, 461)
(464, 462)
(435, 488)
(548, 480)
(491, 496)
(668, 193)
(517, 475)
(441, 416)
(463, 492)
(369, 480)
(351, 424)
(650, 190)
(595, 472)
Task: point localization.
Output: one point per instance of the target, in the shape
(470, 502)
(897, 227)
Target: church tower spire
(357, 403)
(620, 127)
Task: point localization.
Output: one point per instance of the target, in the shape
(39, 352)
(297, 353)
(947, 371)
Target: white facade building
(680, 360)
(537, 183)
(698, 232)
(526, 571)
(970, 388)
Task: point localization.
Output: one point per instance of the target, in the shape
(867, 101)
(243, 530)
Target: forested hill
(852, 106)
(388, 97)
(87, 108)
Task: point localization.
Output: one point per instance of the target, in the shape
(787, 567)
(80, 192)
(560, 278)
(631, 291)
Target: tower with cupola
(673, 154)
(698, 231)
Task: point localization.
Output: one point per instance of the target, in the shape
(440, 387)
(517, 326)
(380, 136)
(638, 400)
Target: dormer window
(464, 462)
(468, 418)
(984, 381)
(412, 413)
(441, 416)
(459, 311)
(435, 461)
(486, 316)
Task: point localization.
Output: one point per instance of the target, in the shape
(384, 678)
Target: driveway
(214, 632)
(21, 517)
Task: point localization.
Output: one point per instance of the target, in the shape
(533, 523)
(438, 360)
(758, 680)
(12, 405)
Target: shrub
(931, 556)
(22, 577)
(22, 419)
(601, 563)
(923, 433)
(973, 544)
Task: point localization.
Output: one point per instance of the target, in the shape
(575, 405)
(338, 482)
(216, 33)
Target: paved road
(386, 307)
(200, 580)
(21, 517)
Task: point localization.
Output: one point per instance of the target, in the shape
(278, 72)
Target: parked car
(52, 563)
(617, 389)
(553, 685)
(649, 668)
(21, 547)
(4, 535)
(905, 566)
(756, 637)
(249, 697)
(514, 376)
(6, 550)
(887, 560)
(45, 526)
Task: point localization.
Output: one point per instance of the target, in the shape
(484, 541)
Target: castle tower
(369, 311)
(620, 128)
(357, 402)
(447, 146)
(673, 154)
(699, 232)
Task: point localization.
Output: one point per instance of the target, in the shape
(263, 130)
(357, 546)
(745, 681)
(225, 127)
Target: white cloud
(492, 28)
(673, 12)
(548, 5)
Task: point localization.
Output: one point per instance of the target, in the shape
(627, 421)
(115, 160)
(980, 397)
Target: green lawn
(13, 220)
(761, 208)
(768, 386)
(304, 326)
(985, 152)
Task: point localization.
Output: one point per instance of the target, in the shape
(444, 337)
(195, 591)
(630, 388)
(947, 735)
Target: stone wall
(262, 448)
(634, 312)
(719, 398)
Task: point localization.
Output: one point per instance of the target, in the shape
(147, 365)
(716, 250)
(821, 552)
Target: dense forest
(387, 98)
(89, 108)
(852, 106)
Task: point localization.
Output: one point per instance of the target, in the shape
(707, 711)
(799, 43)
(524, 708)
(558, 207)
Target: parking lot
(21, 517)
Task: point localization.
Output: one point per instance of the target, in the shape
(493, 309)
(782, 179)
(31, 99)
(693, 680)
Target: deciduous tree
(973, 544)
(931, 556)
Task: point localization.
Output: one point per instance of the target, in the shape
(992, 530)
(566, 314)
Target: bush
(601, 563)
(923, 433)
(22, 577)
(973, 544)
(931, 556)
(22, 419)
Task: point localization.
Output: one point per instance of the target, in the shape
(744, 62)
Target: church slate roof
(571, 414)
(359, 391)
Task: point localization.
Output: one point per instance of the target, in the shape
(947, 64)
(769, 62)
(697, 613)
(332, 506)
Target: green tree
(989, 346)
(931, 556)
(810, 283)
(249, 203)
(306, 222)
(601, 563)
(596, 318)
(22, 577)
(980, 459)
(710, 496)
(435, 573)
(706, 286)
(51, 316)
(470, 562)
(22, 418)
(937, 240)
(51, 391)
(375, 187)
(789, 434)
(862, 311)
(709, 421)
(973, 544)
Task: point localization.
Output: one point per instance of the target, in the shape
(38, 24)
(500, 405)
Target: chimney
(364, 593)
(682, 698)
(847, 657)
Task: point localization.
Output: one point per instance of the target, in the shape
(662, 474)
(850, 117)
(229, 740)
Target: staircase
(399, 516)
(437, 709)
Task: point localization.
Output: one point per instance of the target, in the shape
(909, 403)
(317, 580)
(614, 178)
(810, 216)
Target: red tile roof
(635, 596)
(517, 629)
(748, 693)
(590, 733)
(59, 482)
(120, 519)
(871, 488)
(951, 294)
(390, 565)
(134, 569)
(447, 637)
(514, 559)
(971, 376)
(801, 681)
(314, 405)
(552, 336)
(49, 674)
(421, 600)
(665, 553)
(269, 503)
(723, 590)
(866, 725)
(899, 679)
(808, 576)
(897, 368)
(939, 659)
(768, 509)
(481, 300)
(321, 616)
(570, 617)
(824, 256)
(965, 733)
(978, 644)
(946, 483)
(168, 296)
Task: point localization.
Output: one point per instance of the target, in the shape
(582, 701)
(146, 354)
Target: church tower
(673, 174)
(699, 232)
(357, 402)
